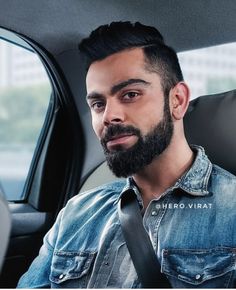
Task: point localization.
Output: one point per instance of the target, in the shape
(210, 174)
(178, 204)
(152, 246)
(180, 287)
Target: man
(138, 98)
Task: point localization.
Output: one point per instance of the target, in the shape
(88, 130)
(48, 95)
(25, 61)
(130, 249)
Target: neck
(164, 171)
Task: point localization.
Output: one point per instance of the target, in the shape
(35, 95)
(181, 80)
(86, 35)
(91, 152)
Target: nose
(114, 113)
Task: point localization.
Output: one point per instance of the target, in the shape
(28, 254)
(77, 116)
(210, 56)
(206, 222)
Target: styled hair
(118, 36)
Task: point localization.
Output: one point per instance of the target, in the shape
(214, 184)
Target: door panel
(43, 156)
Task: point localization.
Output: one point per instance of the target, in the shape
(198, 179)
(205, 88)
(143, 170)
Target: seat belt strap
(138, 243)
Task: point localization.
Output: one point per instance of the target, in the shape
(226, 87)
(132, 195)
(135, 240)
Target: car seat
(5, 227)
(210, 121)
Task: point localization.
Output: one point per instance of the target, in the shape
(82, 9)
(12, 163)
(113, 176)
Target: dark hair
(109, 39)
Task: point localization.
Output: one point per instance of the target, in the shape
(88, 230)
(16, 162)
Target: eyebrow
(94, 95)
(116, 88)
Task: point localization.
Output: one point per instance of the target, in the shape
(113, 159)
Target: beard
(126, 162)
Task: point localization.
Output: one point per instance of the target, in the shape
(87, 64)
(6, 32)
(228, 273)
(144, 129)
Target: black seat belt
(138, 243)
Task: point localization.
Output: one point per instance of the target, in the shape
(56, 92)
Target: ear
(179, 100)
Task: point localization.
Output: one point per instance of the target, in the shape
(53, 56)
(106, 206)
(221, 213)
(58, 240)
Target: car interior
(68, 158)
(5, 227)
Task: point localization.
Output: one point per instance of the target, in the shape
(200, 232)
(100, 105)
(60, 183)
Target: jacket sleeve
(38, 273)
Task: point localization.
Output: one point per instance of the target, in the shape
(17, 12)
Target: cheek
(148, 123)
(97, 126)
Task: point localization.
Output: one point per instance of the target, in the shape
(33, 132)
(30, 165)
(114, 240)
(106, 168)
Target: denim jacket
(192, 228)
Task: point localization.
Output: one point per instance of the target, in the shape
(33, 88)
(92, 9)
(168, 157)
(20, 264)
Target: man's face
(130, 115)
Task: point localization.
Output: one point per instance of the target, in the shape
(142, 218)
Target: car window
(25, 92)
(210, 70)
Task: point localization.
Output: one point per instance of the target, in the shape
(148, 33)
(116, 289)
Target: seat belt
(138, 243)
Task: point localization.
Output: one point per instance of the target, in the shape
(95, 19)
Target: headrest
(211, 122)
(5, 227)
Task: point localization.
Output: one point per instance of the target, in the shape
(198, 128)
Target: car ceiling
(58, 25)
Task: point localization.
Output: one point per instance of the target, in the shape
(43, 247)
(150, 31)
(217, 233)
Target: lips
(119, 136)
(125, 140)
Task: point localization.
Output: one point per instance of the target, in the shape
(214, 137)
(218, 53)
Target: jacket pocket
(70, 269)
(205, 268)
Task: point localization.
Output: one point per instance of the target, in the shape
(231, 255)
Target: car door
(37, 149)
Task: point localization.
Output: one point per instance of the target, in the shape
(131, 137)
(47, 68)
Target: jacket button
(198, 276)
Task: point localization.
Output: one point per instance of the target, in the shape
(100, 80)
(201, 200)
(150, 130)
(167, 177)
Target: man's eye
(96, 106)
(130, 95)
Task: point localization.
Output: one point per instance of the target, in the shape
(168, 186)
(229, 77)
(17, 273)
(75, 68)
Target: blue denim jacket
(192, 228)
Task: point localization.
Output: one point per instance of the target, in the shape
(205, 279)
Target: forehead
(115, 68)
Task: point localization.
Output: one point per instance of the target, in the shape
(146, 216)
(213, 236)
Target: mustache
(114, 130)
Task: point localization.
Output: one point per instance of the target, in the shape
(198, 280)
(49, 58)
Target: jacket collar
(194, 181)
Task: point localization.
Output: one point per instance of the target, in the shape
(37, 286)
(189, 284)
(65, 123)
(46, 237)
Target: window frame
(9, 37)
(43, 196)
